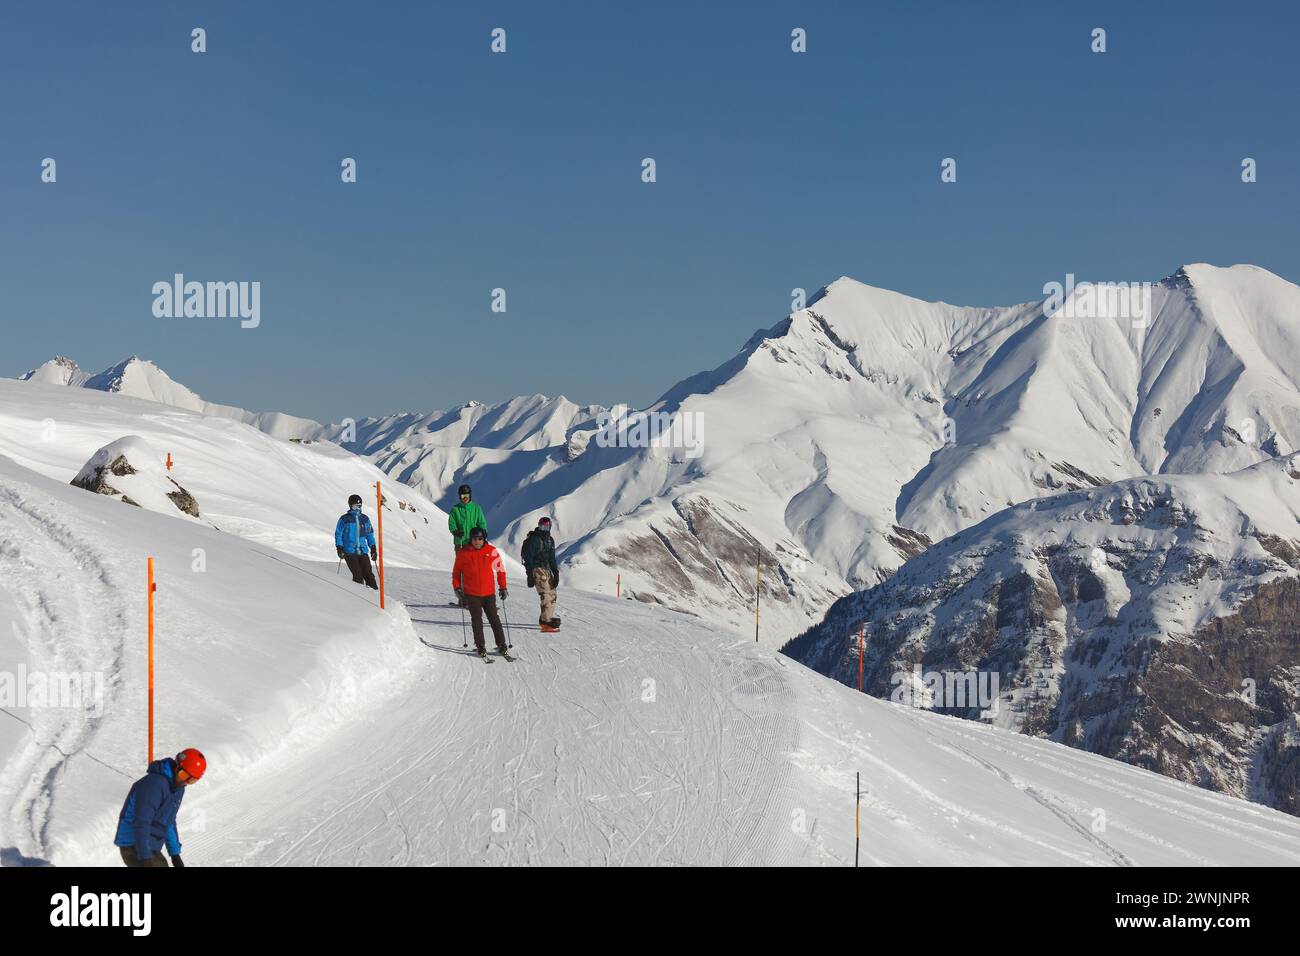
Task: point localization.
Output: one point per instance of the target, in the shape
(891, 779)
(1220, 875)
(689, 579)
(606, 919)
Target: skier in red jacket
(471, 578)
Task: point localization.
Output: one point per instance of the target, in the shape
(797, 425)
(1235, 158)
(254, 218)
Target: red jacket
(474, 567)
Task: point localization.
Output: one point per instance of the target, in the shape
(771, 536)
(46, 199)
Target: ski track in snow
(542, 749)
(1256, 835)
(74, 621)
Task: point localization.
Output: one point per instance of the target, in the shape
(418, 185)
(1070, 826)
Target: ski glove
(460, 595)
(502, 592)
(374, 555)
(177, 861)
(340, 551)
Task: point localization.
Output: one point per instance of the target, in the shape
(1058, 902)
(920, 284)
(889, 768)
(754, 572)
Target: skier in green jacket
(464, 518)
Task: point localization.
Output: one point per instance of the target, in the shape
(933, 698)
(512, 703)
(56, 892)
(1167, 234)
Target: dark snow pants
(130, 858)
(477, 606)
(362, 573)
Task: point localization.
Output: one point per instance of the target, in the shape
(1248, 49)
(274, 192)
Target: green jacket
(463, 519)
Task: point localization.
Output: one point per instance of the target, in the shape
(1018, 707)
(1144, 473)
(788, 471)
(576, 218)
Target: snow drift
(256, 656)
(133, 472)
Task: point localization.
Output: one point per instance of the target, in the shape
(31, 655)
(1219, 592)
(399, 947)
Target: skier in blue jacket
(147, 822)
(354, 540)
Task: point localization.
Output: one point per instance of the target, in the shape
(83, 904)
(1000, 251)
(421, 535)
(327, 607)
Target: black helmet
(478, 533)
(463, 490)
(354, 500)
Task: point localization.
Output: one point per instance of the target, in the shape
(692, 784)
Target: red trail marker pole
(861, 632)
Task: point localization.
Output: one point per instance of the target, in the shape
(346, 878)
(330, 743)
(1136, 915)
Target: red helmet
(192, 762)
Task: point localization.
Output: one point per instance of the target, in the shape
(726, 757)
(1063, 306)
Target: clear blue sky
(522, 171)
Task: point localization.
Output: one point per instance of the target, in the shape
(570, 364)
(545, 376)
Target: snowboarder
(472, 580)
(538, 555)
(354, 540)
(147, 822)
(464, 518)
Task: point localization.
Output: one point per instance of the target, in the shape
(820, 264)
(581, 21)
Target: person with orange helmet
(147, 822)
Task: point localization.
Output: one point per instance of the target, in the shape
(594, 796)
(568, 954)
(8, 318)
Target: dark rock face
(98, 483)
(1234, 686)
(699, 543)
(183, 500)
(907, 542)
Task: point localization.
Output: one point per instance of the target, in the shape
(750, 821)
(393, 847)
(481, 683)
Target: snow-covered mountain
(59, 370)
(841, 442)
(526, 423)
(337, 734)
(844, 440)
(139, 378)
(1153, 620)
(436, 451)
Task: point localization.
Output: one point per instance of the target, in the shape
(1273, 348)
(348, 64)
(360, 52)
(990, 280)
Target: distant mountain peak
(59, 370)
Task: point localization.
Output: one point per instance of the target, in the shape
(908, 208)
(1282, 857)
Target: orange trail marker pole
(169, 461)
(152, 587)
(860, 636)
(758, 565)
(379, 494)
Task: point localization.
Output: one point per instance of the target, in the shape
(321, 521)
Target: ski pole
(340, 565)
(464, 641)
(507, 614)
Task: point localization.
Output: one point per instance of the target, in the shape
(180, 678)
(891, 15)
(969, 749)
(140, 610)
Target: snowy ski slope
(338, 734)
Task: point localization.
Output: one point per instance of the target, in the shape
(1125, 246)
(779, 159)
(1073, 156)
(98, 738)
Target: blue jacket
(148, 818)
(354, 536)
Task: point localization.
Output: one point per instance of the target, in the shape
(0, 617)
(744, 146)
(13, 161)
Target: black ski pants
(362, 573)
(478, 606)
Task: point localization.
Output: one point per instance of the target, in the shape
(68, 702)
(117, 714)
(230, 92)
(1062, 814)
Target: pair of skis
(504, 653)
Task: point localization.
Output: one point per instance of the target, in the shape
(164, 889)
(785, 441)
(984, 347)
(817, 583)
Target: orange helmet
(192, 762)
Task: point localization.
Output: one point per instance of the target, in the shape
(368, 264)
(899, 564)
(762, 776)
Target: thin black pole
(857, 815)
(509, 643)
